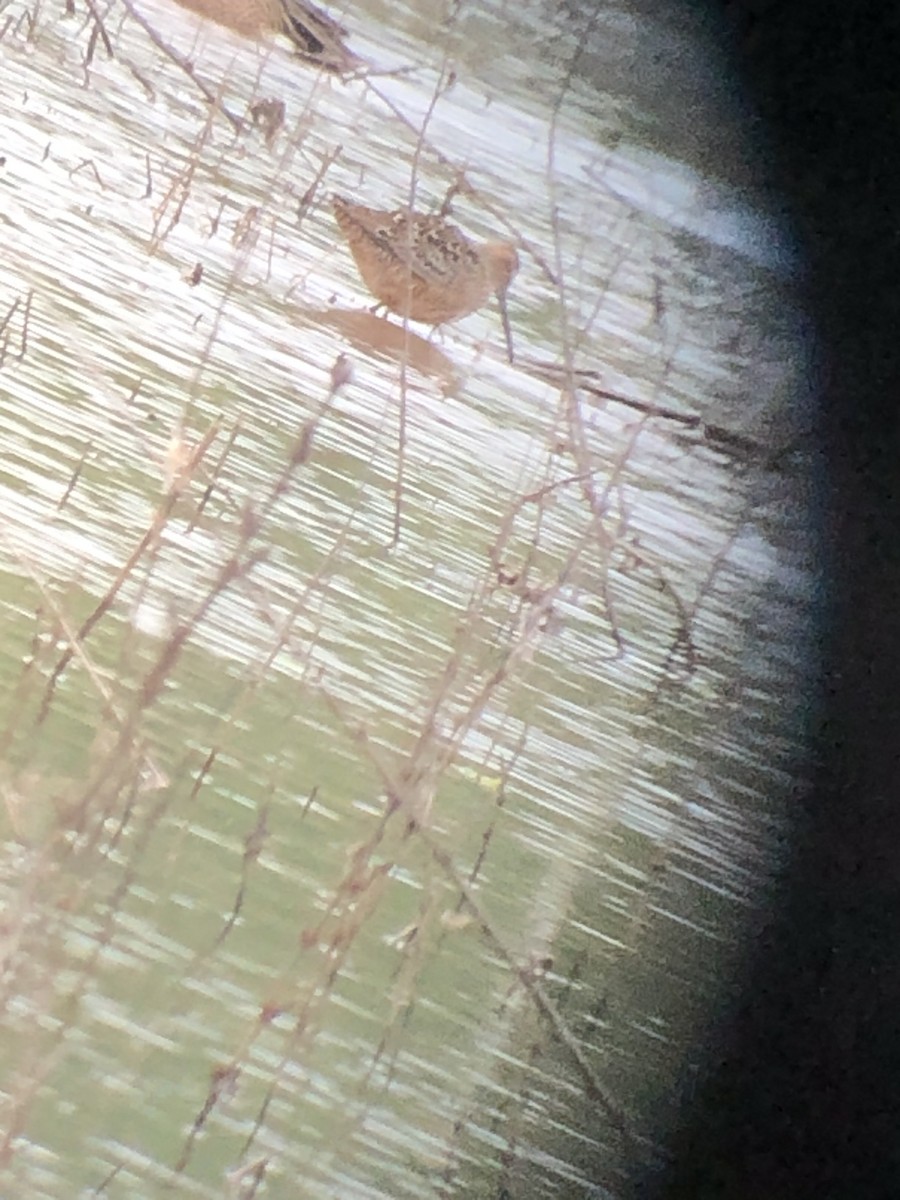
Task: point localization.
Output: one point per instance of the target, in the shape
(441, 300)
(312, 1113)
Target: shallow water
(558, 628)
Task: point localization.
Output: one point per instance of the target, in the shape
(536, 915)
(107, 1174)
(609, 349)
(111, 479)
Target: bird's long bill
(507, 330)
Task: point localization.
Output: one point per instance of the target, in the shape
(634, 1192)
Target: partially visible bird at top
(424, 268)
(316, 37)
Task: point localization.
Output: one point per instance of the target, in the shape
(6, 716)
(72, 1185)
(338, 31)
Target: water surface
(392, 769)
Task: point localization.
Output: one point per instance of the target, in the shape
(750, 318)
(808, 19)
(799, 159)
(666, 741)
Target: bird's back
(419, 266)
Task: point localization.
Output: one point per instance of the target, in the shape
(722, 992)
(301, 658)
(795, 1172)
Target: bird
(316, 37)
(424, 268)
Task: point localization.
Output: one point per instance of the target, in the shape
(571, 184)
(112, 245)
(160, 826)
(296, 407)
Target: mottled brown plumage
(423, 267)
(317, 38)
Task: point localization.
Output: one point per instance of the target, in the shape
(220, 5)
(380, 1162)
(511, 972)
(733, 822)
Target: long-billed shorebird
(423, 267)
(317, 38)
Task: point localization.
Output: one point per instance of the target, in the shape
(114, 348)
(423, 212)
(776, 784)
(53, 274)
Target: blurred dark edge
(802, 1099)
